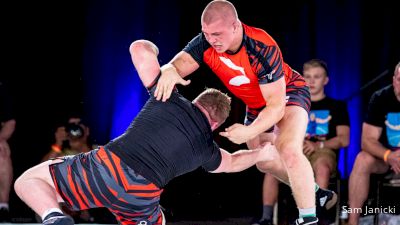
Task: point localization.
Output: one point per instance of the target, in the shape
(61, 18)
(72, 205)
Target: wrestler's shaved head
(219, 10)
(221, 27)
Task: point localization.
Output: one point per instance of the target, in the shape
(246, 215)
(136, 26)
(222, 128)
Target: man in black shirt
(380, 142)
(127, 175)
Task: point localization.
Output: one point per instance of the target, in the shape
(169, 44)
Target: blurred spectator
(70, 139)
(7, 127)
(380, 142)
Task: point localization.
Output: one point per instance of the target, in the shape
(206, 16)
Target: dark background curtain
(63, 57)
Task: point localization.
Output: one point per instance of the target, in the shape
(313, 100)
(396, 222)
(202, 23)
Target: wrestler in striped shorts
(100, 179)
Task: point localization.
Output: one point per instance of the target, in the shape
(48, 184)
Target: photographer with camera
(70, 139)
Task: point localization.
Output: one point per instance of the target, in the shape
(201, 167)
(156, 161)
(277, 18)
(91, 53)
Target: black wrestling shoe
(306, 221)
(56, 218)
(325, 199)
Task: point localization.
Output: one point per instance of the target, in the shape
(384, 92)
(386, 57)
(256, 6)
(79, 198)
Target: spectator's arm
(341, 140)
(370, 140)
(7, 129)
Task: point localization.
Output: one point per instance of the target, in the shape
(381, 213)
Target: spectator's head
(315, 73)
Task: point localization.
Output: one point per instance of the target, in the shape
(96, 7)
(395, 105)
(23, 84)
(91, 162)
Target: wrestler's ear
(326, 80)
(236, 25)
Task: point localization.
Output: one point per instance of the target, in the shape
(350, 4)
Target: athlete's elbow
(142, 46)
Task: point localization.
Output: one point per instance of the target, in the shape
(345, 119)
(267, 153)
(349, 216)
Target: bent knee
(365, 162)
(287, 148)
(323, 171)
(365, 159)
(323, 164)
(291, 156)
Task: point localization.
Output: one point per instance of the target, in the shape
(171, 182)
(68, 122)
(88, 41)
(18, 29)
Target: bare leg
(275, 167)
(364, 166)
(144, 57)
(270, 186)
(6, 173)
(323, 168)
(270, 190)
(35, 187)
(290, 147)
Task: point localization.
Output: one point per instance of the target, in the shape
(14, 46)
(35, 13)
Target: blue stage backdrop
(114, 93)
(342, 51)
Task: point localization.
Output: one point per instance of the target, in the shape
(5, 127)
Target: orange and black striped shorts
(100, 179)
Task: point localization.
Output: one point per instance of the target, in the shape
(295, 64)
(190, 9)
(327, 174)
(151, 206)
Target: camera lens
(74, 130)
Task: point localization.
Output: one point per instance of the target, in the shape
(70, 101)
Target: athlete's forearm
(243, 159)
(267, 118)
(183, 64)
(168, 68)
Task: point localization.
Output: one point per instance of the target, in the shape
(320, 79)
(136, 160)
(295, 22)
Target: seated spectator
(70, 139)
(7, 127)
(380, 142)
(328, 130)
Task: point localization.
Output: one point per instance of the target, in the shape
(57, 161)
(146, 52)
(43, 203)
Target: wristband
(385, 156)
(56, 148)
